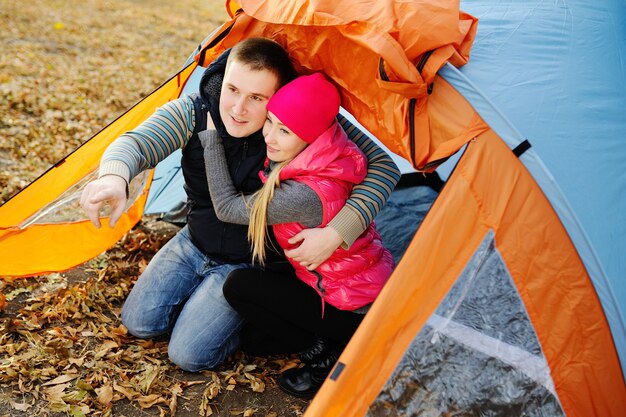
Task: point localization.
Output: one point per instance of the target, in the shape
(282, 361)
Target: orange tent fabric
(549, 275)
(29, 246)
(383, 39)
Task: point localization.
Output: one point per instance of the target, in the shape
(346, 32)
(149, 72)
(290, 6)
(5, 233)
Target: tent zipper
(422, 63)
(412, 129)
(432, 164)
(420, 66)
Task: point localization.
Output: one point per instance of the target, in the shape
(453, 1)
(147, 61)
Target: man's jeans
(181, 292)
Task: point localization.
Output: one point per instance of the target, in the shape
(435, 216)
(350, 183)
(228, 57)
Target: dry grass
(69, 68)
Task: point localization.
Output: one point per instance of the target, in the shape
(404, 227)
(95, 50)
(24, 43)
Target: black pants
(283, 314)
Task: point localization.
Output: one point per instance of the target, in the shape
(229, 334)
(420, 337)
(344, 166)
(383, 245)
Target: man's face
(245, 93)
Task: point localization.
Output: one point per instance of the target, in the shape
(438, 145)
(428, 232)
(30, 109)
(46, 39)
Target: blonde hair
(257, 229)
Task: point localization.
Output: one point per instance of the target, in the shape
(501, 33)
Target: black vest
(245, 158)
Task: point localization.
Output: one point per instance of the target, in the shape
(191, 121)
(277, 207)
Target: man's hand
(316, 246)
(109, 188)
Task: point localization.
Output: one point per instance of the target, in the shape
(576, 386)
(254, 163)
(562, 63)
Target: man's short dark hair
(264, 54)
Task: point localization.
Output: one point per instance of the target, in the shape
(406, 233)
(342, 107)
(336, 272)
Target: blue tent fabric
(166, 192)
(554, 73)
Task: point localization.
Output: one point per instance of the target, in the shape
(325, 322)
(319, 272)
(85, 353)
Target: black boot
(318, 361)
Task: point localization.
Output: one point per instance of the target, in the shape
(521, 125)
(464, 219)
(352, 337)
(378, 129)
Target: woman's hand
(316, 246)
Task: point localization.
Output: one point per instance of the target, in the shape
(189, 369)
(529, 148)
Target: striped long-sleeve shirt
(172, 125)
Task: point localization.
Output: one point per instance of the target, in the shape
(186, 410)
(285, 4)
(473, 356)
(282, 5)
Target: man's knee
(194, 360)
(140, 328)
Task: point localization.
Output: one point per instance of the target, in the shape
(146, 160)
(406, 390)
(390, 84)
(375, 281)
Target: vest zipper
(244, 155)
(320, 289)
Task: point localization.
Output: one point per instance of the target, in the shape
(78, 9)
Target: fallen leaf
(129, 393)
(212, 390)
(75, 396)
(192, 383)
(256, 383)
(61, 379)
(147, 378)
(79, 411)
(84, 385)
(249, 367)
(104, 348)
(58, 407)
(148, 401)
(205, 409)
(55, 393)
(77, 361)
(176, 390)
(20, 406)
(105, 394)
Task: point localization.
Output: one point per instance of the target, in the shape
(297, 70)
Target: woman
(310, 170)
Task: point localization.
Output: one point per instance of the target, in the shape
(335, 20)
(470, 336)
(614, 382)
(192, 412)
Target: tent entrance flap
(42, 212)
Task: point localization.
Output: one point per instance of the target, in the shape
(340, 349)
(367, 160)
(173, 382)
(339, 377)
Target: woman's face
(282, 143)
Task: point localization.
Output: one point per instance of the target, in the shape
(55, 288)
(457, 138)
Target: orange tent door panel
(42, 229)
(484, 313)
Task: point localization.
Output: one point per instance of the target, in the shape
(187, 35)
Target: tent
(509, 298)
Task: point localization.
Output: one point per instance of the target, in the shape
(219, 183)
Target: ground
(66, 71)
(65, 352)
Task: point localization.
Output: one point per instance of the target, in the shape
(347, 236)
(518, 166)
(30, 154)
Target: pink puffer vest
(351, 278)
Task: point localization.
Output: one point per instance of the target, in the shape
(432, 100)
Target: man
(180, 292)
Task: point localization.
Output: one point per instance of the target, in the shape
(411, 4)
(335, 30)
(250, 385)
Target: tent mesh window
(478, 354)
(66, 208)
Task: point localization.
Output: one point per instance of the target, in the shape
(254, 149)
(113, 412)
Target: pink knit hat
(307, 105)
